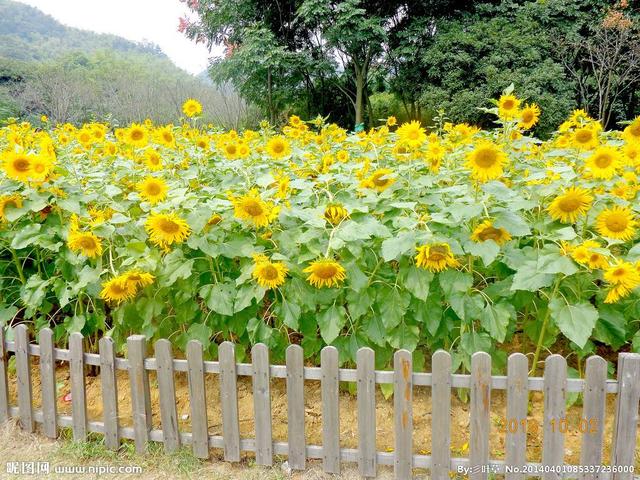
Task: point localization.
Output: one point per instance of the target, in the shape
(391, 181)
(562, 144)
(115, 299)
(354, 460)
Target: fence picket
(197, 400)
(626, 420)
(365, 361)
(140, 395)
(330, 410)
(262, 404)
(592, 421)
(295, 408)
(555, 386)
(229, 399)
(441, 415)
(480, 410)
(403, 413)
(109, 386)
(23, 371)
(516, 421)
(78, 387)
(4, 378)
(167, 389)
(48, 383)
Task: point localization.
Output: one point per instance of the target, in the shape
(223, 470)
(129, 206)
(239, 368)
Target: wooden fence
(554, 384)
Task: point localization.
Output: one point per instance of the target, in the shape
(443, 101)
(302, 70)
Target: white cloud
(138, 20)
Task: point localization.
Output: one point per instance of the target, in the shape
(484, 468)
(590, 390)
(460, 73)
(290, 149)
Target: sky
(138, 20)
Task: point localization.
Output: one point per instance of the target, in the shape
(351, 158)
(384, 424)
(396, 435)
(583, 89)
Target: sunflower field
(395, 237)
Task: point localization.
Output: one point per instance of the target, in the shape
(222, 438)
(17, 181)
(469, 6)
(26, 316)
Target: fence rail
(554, 384)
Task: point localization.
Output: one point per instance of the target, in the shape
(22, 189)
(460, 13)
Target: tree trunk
(359, 95)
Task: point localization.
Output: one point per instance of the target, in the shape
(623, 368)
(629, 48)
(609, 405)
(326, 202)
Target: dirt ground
(348, 414)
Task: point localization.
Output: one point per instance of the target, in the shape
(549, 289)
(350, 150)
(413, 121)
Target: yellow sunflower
(379, 180)
(269, 274)
(624, 277)
(631, 133)
(153, 160)
(411, 134)
(137, 135)
(325, 273)
(9, 201)
(152, 190)
(603, 163)
(138, 278)
(165, 229)
(278, 147)
(617, 222)
(435, 257)
(192, 108)
(486, 161)
(335, 213)
(252, 208)
(529, 116)
(85, 243)
(486, 231)
(164, 136)
(571, 204)
(117, 290)
(585, 138)
(391, 121)
(19, 166)
(508, 107)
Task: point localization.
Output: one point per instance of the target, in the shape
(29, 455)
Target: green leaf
(512, 223)
(7, 314)
(528, 278)
(290, 313)
(576, 321)
(556, 263)
(611, 327)
(175, 266)
(452, 282)
(331, 322)
(392, 248)
(487, 250)
(472, 342)
(200, 332)
(219, 297)
(496, 317)
(417, 281)
(392, 304)
(26, 236)
(405, 336)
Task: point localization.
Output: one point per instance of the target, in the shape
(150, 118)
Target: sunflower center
(117, 289)
(38, 168)
(527, 116)
(635, 129)
(617, 223)
(21, 164)
(413, 135)
(437, 253)
(570, 204)
(153, 189)
(603, 160)
(490, 233)
(253, 208)
(88, 243)
(168, 226)
(269, 272)
(508, 104)
(486, 158)
(277, 147)
(583, 136)
(379, 180)
(231, 149)
(325, 271)
(137, 135)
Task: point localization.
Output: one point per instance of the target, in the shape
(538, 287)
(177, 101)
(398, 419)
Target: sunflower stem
(543, 329)
(16, 260)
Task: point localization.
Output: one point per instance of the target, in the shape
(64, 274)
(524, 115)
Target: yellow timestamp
(560, 425)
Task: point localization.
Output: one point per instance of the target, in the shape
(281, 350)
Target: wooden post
(167, 389)
(140, 395)
(480, 411)
(229, 399)
(23, 371)
(441, 415)
(625, 427)
(517, 403)
(330, 410)
(78, 387)
(4, 383)
(48, 383)
(109, 384)
(593, 411)
(295, 408)
(366, 373)
(555, 387)
(262, 404)
(403, 414)
(198, 400)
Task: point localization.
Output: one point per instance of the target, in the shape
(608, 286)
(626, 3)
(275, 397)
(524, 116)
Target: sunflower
(137, 135)
(508, 107)
(230, 150)
(570, 205)
(85, 243)
(165, 229)
(411, 134)
(138, 278)
(435, 257)
(295, 121)
(585, 138)
(529, 116)
(617, 223)
(623, 274)
(164, 136)
(192, 108)
(486, 161)
(269, 274)
(9, 201)
(19, 166)
(278, 147)
(631, 133)
(41, 167)
(335, 213)
(486, 231)
(152, 160)
(379, 180)
(325, 273)
(117, 290)
(603, 162)
(214, 220)
(252, 208)
(391, 121)
(152, 190)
